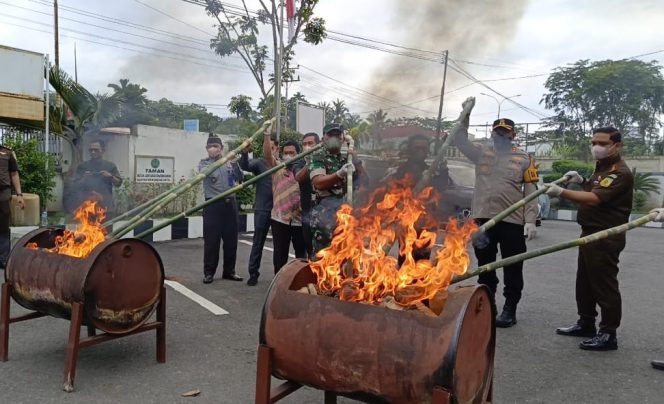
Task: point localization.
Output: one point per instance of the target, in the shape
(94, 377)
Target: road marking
(264, 248)
(216, 310)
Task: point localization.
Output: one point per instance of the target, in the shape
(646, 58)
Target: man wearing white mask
(286, 211)
(604, 202)
(503, 176)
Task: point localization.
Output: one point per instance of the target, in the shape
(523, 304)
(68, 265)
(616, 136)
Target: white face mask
(600, 152)
(288, 157)
(305, 148)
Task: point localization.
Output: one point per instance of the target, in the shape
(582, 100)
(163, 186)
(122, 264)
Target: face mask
(501, 143)
(333, 143)
(288, 157)
(601, 152)
(305, 148)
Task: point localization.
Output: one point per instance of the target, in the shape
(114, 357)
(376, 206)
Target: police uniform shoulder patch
(608, 180)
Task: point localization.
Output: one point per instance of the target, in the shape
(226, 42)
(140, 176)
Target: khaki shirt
(613, 183)
(499, 181)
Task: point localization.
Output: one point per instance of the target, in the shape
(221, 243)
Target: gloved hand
(530, 231)
(574, 177)
(346, 169)
(660, 214)
(553, 190)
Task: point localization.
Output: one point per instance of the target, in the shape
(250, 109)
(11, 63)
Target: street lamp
(500, 102)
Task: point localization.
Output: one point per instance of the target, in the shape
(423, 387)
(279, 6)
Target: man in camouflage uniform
(503, 176)
(328, 172)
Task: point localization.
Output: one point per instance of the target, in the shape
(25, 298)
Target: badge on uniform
(606, 182)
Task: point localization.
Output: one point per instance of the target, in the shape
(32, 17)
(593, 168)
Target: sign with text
(191, 125)
(154, 170)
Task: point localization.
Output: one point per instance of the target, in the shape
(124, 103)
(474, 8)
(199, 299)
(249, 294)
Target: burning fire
(356, 267)
(88, 234)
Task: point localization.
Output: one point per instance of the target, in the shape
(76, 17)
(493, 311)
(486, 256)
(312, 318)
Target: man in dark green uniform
(605, 202)
(8, 177)
(328, 172)
(96, 178)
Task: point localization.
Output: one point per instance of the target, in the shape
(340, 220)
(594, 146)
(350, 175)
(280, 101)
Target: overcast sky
(490, 40)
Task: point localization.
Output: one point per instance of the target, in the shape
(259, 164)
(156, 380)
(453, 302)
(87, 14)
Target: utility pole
(286, 81)
(439, 126)
(75, 65)
(55, 32)
(279, 53)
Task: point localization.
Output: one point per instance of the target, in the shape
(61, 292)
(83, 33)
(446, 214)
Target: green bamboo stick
(460, 127)
(182, 188)
(512, 208)
(228, 192)
(557, 247)
(138, 208)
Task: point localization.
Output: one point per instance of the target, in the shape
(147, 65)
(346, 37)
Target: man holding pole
(220, 219)
(328, 172)
(503, 175)
(604, 202)
(301, 170)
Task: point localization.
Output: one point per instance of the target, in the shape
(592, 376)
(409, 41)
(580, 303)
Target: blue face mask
(501, 143)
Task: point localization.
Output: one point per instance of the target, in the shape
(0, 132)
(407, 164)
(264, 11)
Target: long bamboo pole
(138, 208)
(228, 192)
(557, 247)
(512, 208)
(182, 188)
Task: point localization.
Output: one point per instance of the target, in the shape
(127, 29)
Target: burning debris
(356, 266)
(89, 232)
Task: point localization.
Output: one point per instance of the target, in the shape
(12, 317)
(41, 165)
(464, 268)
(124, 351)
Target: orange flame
(88, 234)
(363, 234)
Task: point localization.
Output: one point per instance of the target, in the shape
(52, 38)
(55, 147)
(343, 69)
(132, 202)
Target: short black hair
(291, 143)
(614, 134)
(102, 144)
(314, 134)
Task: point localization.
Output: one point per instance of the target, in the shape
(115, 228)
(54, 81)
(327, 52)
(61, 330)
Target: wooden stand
(75, 343)
(266, 395)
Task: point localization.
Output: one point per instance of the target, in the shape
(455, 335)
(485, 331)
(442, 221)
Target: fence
(54, 142)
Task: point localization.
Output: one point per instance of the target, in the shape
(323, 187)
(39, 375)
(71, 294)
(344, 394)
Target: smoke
(466, 28)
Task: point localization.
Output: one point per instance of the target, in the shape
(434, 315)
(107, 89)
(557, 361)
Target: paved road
(216, 354)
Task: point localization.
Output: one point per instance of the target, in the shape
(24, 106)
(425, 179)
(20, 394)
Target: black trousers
(597, 281)
(261, 228)
(220, 222)
(5, 236)
(282, 235)
(307, 234)
(512, 242)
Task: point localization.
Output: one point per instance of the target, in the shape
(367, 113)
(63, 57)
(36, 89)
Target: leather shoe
(208, 279)
(577, 330)
(253, 281)
(507, 318)
(232, 277)
(601, 342)
(659, 365)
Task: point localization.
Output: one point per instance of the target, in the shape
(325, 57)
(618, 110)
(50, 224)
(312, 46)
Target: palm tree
(240, 105)
(133, 95)
(377, 119)
(339, 109)
(329, 113)
(645, 184)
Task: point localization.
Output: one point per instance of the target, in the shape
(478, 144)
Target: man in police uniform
(8, 176)
(220, 219)
(328, 172)
(503, 175)
(606, 201)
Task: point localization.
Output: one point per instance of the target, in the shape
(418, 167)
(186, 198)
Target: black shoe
(659, 365)
(208, 279)
(601, 342)
(232, 277)
(507, 318)
(253, 281)
(577, 330)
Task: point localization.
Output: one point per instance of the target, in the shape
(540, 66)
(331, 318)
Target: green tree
(627, 94)
(133, 103)
(378, 122)
(37, 167)
(645, 184)
(329, 112)
(292, 108)
(170, 115)
(339, 110)
(240, 105)
(238, 32)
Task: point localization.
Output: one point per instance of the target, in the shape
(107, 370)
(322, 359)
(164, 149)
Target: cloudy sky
(509, 45)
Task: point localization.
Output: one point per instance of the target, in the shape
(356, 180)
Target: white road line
(264, 248)
(216, 310)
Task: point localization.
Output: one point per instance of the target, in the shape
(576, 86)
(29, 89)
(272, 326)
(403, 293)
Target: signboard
(310, 118)
(21, 84)
(154, 170)
(191, 125)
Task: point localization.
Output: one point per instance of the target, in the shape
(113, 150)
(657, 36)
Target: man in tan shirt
(503, 175)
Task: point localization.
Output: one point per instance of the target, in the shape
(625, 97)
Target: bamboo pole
(182, 188)
(138, 208)
(557, 247)
(460, 127)
(512, 208)
(228, 192)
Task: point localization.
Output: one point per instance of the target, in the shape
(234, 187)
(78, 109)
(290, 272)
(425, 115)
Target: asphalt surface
(217, 354)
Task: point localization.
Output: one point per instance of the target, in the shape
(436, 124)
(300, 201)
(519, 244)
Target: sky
(508, 45)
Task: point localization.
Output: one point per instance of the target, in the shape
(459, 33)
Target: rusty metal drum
(118, 283)
(376, 354)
